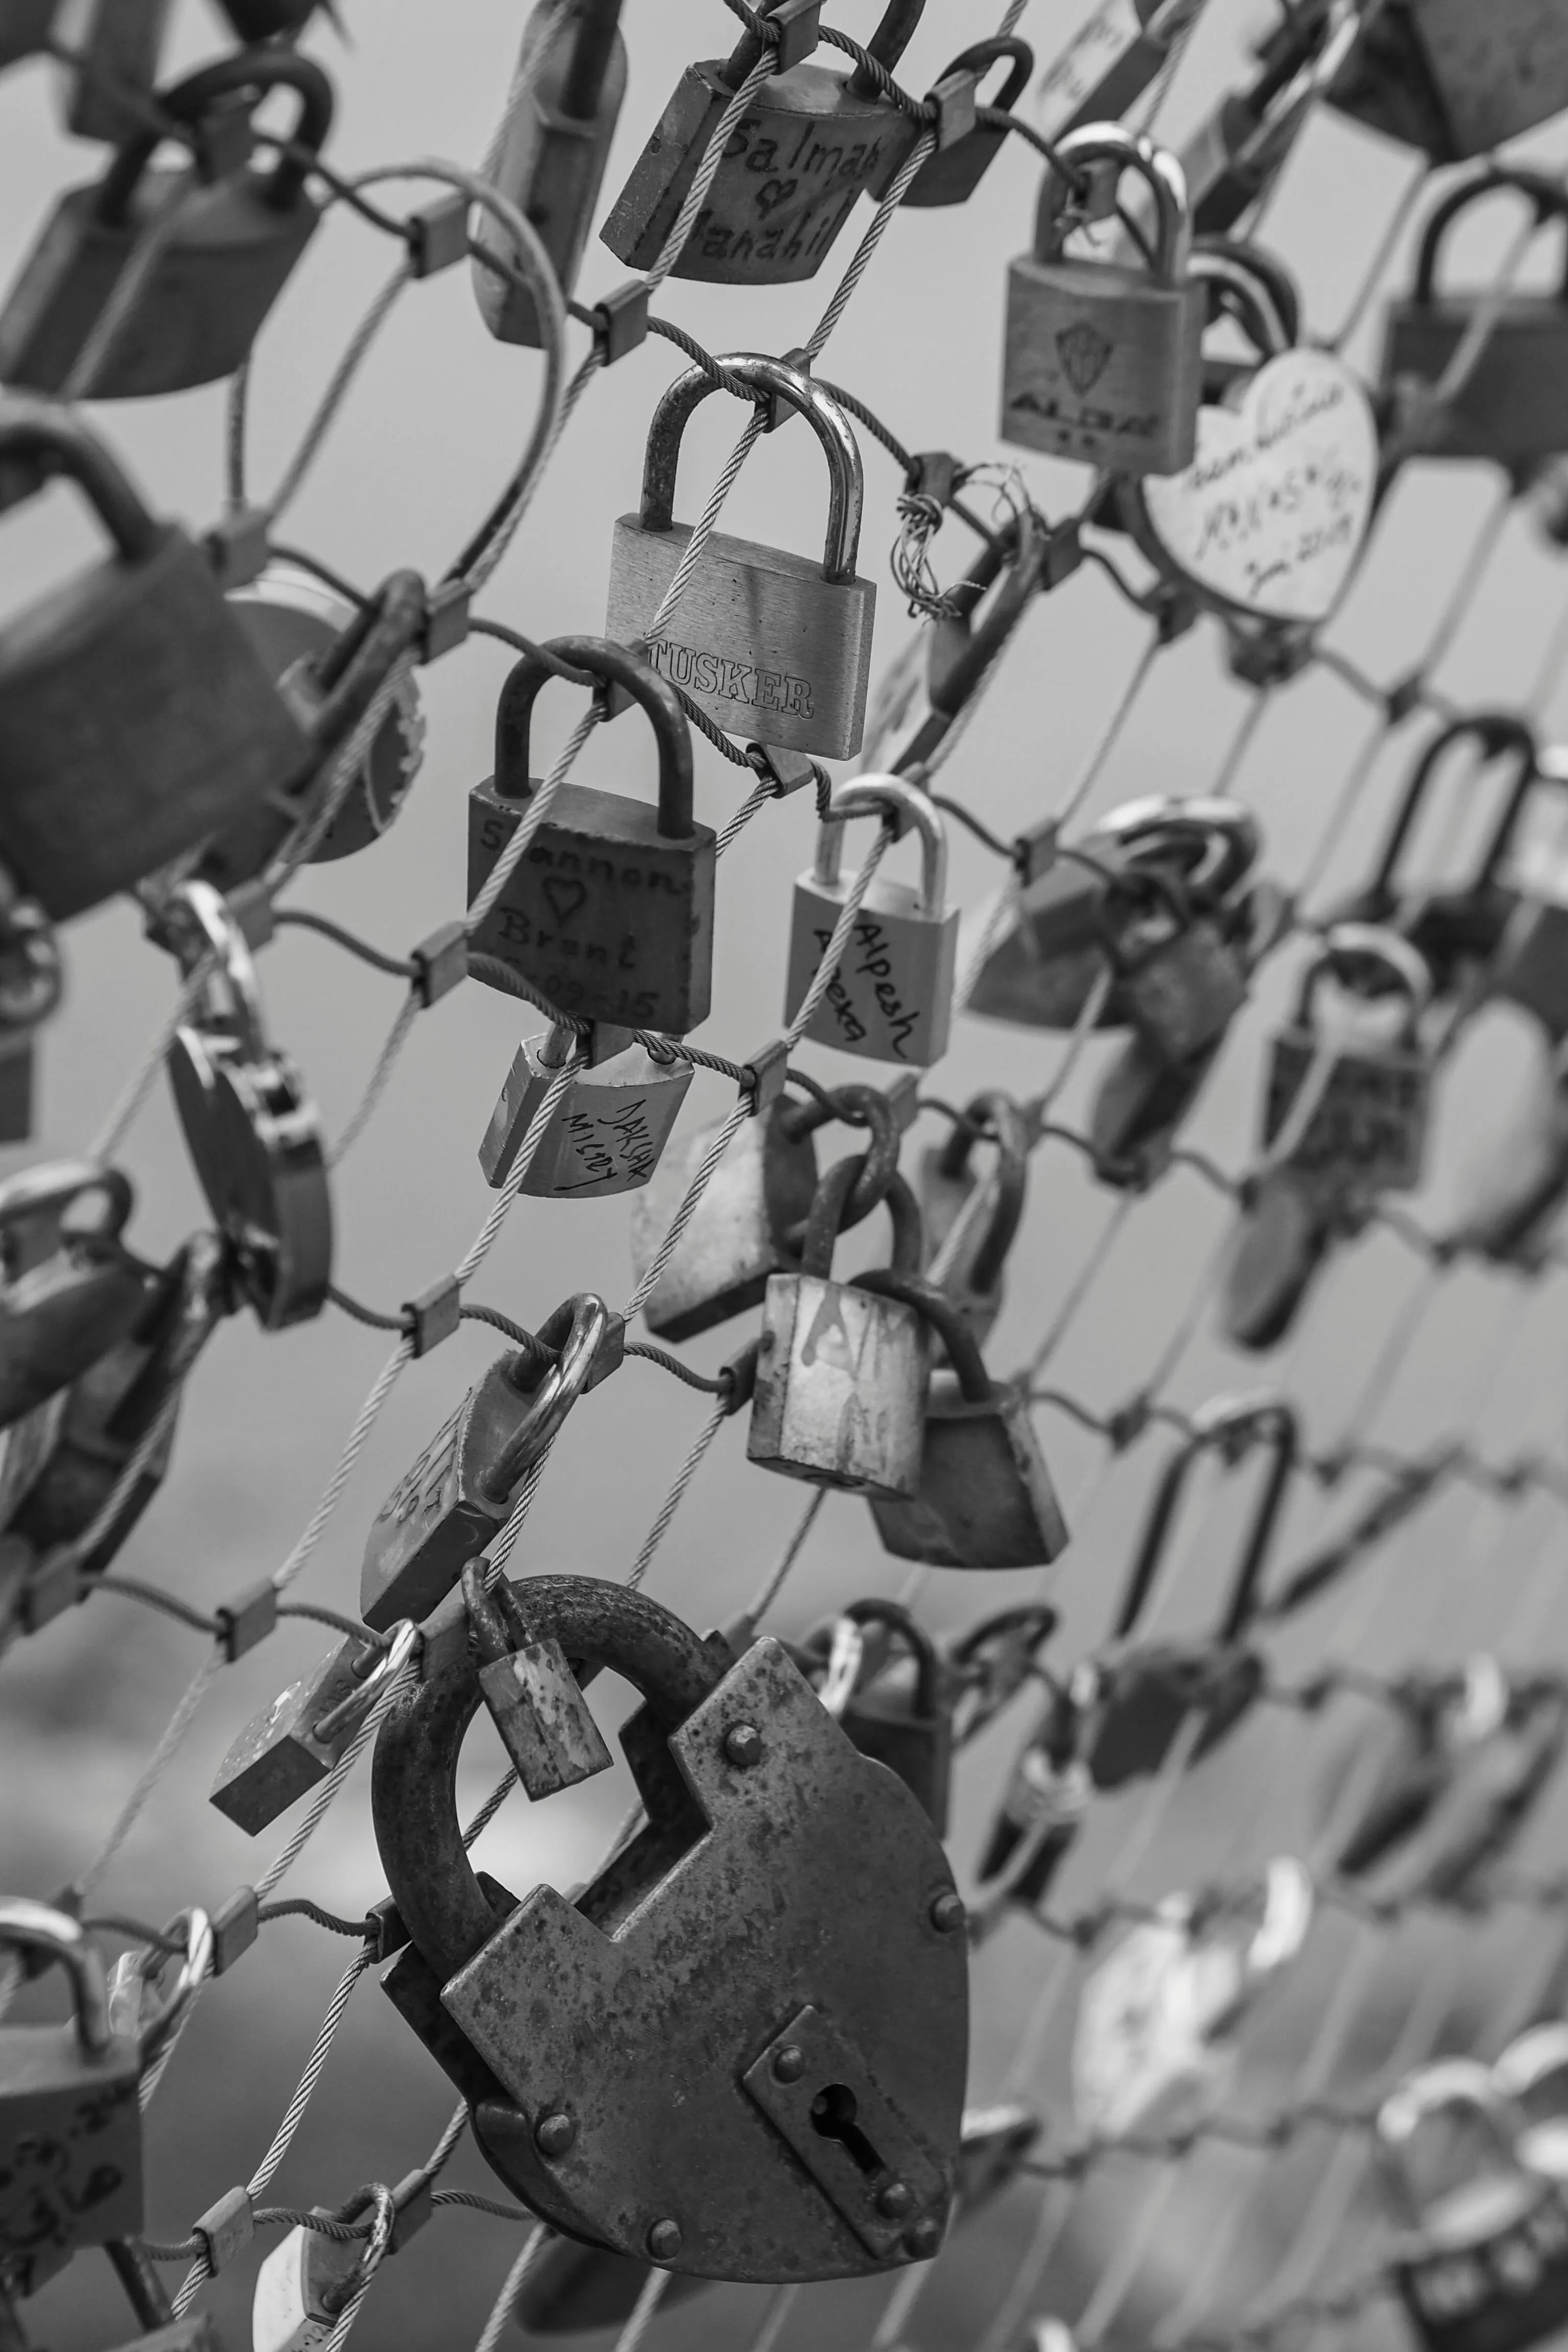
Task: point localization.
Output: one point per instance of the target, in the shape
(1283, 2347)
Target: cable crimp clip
(437, 234)
(245, 1622)
(225, 2229)
(236, 1924)
(446, 622)
(433, 1316)
(620, 321)
(765, 1072)
(439, 963)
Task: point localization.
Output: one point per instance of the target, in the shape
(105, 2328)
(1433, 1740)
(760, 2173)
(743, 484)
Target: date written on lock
(890, 997)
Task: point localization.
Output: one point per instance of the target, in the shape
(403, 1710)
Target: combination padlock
(1103, 361)
(768, 642)
(608, 1129)
(289, 1747)
(902, 1713)
(610, 910)
(70, 1290)
(971, 1221)
(890, 997)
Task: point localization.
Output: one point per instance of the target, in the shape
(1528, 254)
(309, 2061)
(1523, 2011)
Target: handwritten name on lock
(600, 1148)
(864, 999)
(586, 898)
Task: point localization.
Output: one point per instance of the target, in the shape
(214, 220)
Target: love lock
(71, 1292)
(740, 2052)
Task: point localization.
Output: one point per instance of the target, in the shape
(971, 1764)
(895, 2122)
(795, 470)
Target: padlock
(1509, 1216)
(767, 642)
(984, 1498)
(1139, 1107)
(973, 1262)
(1455, 80)
(609, 1127)
(225, 252)
(26, 28)
(787, 1913)
(305, 2285)
(1531, 2077)
(252, 1132)
(890, 997)
(551, 153)
(458, 1493)
(136, 720)
(904, 1721)
(71, 1292)
(289, 1749)
(70, 2124)
(1238, 151)
(113, 47)
(994, 1661)
(610, 910)
(1110, 62)
(1044, 1805)
(1510, 405)
(1482, 2263)
(534, 1699)
(157, 2328)
(1179, 979)
(570, 2288)
(843, 1374)
(952, 176)
(1138, 1697)
(809, 142)
(1103, 361)
(1254, 291)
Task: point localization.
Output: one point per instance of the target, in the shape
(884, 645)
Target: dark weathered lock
(902, 1720)
(114, 46)
(1103, 361)
(32, 981)
(968, 1237)
(1138, 1699)
(534, 1699)
(952, 176)
(1484, 2264)
(458, 1493)
(740, 2052)
(224, 253)
(890, 996)
(70, 2127)
(252, 1132)
(610, 910)
(551, 153)
(608, 1128)
(1512, 403)
(71, 1291)
(1458, 80)
(1139, 1107)
(808, 143)
(1109, 63)
(289, 1749)
(769, 643)
(985, 1497)
(134, 718)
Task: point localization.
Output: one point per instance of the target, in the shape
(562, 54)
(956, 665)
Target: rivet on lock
(458, 1493)
(306, 2285)
(289, 1749)
(740, 2052)
(1103, 361)
(903, 1720)
(768, 642)
(971, 1221)
(252, 1132)
(608, 1129)
(890, 997)
(71, 1290)
(610, 910)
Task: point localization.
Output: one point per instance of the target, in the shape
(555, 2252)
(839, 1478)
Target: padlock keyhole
(832, 2115)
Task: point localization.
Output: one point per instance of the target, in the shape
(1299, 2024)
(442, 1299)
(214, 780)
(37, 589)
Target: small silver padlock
(306, 2285)
(609, 1127)
(890, 998)
(1103, 361)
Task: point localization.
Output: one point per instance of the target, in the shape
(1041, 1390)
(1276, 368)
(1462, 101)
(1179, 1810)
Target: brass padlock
(609, 1127)
(136, 720)
(972, 1260)
(458, 1493)
(809, 142)
(788, 1912)
(890, 997)
(1511, 404)
(289, 1747)
(902, 1720)
(952, 176)
(1458, 80)
(985, 1497)
(253, 1134)
(843, 1373)
(113, 47)
(768, 642)
(610, 911)
(70, 1291)
(1103, 361)
(1110, 62)
(225, 254)
(551, 153)
(534, 1699)
(70, 2125)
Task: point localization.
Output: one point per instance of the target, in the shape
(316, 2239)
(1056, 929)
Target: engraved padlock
(768, 642)
(551, 153)
(787, 1911)
(223, 254)
(952, 176)
(534, 1699)
(890, 996)
(306, 2285)
(458, 1493)
(1457, 80)
(903, 1719)
(608, 1128)
(1110, 62)
(71, 1291)
(610, 910)
(1103, 361)
(113, 47)
(794, 166)
(289, 1749)
(972, 1222)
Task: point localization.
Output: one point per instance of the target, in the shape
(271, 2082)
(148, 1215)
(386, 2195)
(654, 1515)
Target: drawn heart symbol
(564, 896)
(1269, 517)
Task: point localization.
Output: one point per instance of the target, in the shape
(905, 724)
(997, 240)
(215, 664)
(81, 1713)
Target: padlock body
(276, 1758)
(84, 1459)
(70, 2140)
(758, 1194)
(1493, 2278)
(1102, 364)
(767, 647)
(1513, 406)
(792, 171)
(841, 1387)
(1498, 71)
(1182, 997)
(203, 302)
(943, 1199)
(608, 1131)
(441, 1512)
(25, 29)
(552, 167)
(121, 41)
(1138, 1110)
(287, 2313)
(891, 999)
(1368, 1129)
(134, 721)
(610, 918)
(256, 1143)
(949, 176)
(889, 1727)
(537, 1705)
(1284, 1237)
(985, 1497)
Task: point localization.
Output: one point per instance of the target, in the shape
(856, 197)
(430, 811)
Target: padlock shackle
(1018, 1632)
(361, 657)
(1242, 294)
(190, 1298)
(593, 25)
(201, 922)
(138, 1970)
(32, 1927)
(1499, 734)
(1220, 1424)
(897, 1621)
(261, 70)
(1010, 1131)
(938, 1310)
(338, 2293)
(1162, 173)
(578, 1329)
(878, 1164)
(769, 380)
(1546, 194)
(961, 650)
(1224, 834)
(495, 1618)
(1346, 950)
(887, 45)
(55, 441)
(49, 1190)
(827, 1221)
(902, 805)
(612, 664)
(413, 1800)
(981, 55)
